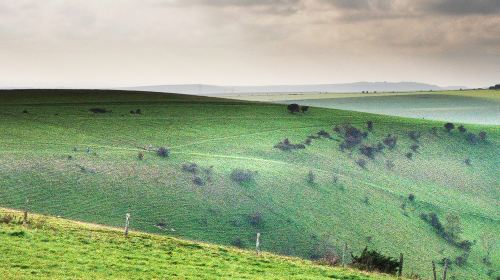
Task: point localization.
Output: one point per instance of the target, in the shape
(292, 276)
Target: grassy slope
(298, 217)
(52, 248)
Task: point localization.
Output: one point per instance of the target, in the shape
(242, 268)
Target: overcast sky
(99, 43)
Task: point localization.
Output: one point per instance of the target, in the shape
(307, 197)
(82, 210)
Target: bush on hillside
(468, 162)
(409, 155)
(324, 134)
(138, 111)
(472, 138)
(462, 129)
(414, 135)
(483, 136)
(368, 151)
(414, 148)
(361, 163)
(255, 219)
(371, 260)
(311, 178)
(411, 197)
(293, 108)
(140, 156)
(369, 125)
(25, 111)
(286, 145)
(389, 164)
(304, 109)
(198, 181)
(238, 242)
(449, 127)
(308, 141)
(163, 152)
(242, 175)
(190, 167)
(390, 141)
(352, 136)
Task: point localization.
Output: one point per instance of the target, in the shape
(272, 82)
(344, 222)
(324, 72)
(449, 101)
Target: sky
(108, 43)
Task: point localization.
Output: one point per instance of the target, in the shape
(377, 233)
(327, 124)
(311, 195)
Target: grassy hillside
(51, 248)
(81, 165)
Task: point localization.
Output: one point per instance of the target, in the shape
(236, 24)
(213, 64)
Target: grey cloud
(464, 7)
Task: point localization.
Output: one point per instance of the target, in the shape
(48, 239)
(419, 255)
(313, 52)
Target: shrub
(449, 127)
(369, 125)
(198, 181)
(472, 138)
(255, 219)
(389, 164)
(414, 147)
(390, 141)
(25, 111)
(462, 129)
(190, 167)
(411, 197)
(375, 261)
(468, 162)
(368, 151)
(361, 162)
(308, 141)
(483, 136)
(293, 108)
(409, 155)
(434, 131)
(238, 242)
(138, 111)
(304, 109)
(380, 147)
(242, 175)
(163, 152)
(140, 156)
(132, 112)
(366, 200)
(99, 110)
(311, 178)
(414, 135)
(323, 133)
(285, 145)
(433, 220)
(352, 136)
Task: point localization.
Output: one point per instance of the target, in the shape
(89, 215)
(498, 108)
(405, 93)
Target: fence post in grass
(434, 270)
(400, 270)
(257, 243)
(25, 213)
(445, 268)
(127, 223)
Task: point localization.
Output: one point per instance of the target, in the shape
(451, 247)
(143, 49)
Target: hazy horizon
(99, 44)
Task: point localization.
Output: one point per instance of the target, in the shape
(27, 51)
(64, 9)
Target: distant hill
(203, 89)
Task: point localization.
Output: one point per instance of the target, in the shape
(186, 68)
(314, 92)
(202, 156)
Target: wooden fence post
(434, 270)
(257, 243)
(127, 223)
(445, 268)
(25, 214)
(400, 271)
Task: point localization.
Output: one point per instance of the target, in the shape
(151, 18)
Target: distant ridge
(204, 89)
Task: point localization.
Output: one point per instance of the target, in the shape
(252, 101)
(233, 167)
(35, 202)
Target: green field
(51, 248)
(84, 166)
(473, 106)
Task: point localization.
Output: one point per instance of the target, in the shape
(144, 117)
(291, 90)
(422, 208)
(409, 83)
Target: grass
(54, 248)
(84, 166)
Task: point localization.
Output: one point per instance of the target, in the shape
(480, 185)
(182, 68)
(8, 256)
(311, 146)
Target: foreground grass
(54, 248)
(84, 166)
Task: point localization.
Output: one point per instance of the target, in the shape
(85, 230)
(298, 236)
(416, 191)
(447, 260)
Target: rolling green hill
(81, 165)
(51, 248)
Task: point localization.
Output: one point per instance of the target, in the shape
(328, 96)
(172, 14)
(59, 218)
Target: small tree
(138, 111)
(369, 125)
(163, 152)
(462, 129)
(293, 108)
(361, 163)
(449, 127)
(390, 141)
(311, 178)
(304, 109)
(483, 136)
(411, 197)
